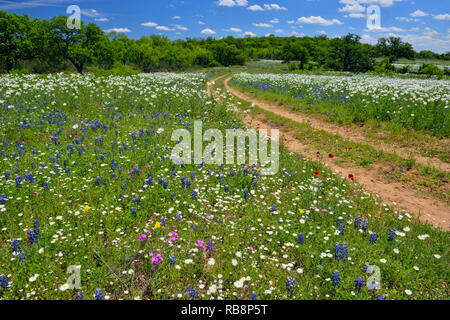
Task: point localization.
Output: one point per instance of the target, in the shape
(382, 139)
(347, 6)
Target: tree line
(42, 46)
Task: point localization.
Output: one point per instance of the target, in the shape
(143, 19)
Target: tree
(15, 44)
(395, 48)
(79, 46)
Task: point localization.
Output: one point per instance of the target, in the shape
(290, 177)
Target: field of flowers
(420, 104)
(87, 180)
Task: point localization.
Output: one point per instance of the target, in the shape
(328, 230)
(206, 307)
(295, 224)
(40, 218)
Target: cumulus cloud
(234, 29)
(249, 34)
(232, 3)
(118, 30)
(164, 28)
(418, 13)
(266, 7)
(149, 24)
(445, 16)
(383, 29)
(263, 25)
(255, 7)
(318, 20)
(208, 31)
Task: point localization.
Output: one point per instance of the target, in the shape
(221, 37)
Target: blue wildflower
(290, 286)
(359, 283)
(99, 294)
(335, 278)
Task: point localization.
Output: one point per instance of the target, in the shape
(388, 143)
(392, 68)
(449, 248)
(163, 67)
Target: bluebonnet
(209, 246)
(335, 278)
(290, 286)
(19, 180)
(4, 284)
(193, 195)
(79, 296)
(365, 225)
(7, 175)
(246, 196)
(373, 238)
(227, 188)
(99, 294)
(3, 199)
(380, 298)
(192, 292)
(357, 223)
(172, 260)
(45, 185)
(300, 238)
(15, 245)
(359, 283)
(341, 227)
(274, 208)
(32, 237)
(99, 180)
(340, 251)
(253, 296)
(391, 234)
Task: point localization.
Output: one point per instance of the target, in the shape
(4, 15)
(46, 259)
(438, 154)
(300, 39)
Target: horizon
(425, 25)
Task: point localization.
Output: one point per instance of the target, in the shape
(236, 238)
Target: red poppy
(350, 176)
(317, 173)
(330, 156)
(318, 154)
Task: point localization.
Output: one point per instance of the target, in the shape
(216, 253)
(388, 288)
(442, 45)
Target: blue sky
(423, 23)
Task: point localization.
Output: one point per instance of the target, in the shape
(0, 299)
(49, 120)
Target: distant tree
(15, 43)
(79, 46)
(395, 48)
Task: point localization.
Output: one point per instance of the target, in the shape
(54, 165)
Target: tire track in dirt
(349, 134)
(428, 210)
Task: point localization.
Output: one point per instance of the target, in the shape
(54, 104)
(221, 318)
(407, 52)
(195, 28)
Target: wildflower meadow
(93, 207)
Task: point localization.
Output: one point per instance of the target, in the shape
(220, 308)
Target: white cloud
(208, 31)
(383, 29)
(255, 7)
(232, 3)
(249, 34)
(234, 30)
(101, 19)
(118, 30)
(356, 15)
(445, 16)
(149, 24)
(164, 28)
(267, 7)
(418, 13)
(359, 6)
(176, 17)
(274, 6)
(352, 7)
(263, 25)
(318, 20)
(201, 22)
(405, 19)
(90, 13)
(10, 5)
(180, 27)
(274, 21)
